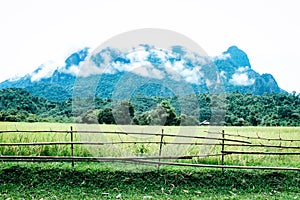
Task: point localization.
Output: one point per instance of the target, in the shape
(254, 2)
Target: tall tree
(123, 113)
(105, 116)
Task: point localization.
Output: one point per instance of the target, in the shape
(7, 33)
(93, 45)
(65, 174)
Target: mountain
(237, 74)
(145, 70)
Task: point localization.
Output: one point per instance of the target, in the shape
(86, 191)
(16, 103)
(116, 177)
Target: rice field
(117, 144)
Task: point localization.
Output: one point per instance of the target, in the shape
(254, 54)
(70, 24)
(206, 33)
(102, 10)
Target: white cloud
(44, 71)
(157, 73)
(222, 74)
(223, 56)
(241, 79)
(139, 54)
(208, 82)
(172, 74)
(242, 69)
(140, 64)
(87, 68)
(74, 70)
(148, 71)
(142, 71)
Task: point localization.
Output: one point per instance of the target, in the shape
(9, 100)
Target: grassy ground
(128, 181)
(152, 149)
(101, 181)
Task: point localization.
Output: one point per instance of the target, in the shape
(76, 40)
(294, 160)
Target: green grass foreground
(103, 181)
(127, 181)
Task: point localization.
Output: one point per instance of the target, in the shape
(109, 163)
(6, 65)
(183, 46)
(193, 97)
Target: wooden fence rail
(225, 140)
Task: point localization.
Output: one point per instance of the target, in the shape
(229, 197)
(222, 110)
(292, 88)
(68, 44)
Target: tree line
(235, 109)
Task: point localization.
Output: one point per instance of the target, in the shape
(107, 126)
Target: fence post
(160, 146)
(72, 147)
(223, 148)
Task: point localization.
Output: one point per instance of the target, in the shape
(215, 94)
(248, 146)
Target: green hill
(235, 109)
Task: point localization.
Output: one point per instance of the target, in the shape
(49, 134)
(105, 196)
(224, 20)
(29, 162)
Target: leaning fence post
(223, 148)
(72, 147)
(160, 145)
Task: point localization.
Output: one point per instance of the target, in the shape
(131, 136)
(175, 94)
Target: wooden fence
(225, 141)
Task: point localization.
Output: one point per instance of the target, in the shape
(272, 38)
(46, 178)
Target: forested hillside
(17, 105)
(241, 109)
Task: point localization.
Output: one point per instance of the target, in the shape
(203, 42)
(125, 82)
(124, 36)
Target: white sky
(34, 32)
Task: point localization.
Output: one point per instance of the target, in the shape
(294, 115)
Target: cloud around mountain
(241, 77)
(147, 61)
(176, 64)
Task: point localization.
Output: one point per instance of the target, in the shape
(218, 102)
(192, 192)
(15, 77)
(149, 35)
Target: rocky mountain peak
(237, 57)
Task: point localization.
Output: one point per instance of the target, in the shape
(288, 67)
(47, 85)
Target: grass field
(146, 149)
(130, 181)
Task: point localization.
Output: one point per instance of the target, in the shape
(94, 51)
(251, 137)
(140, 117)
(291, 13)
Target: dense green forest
(239, 109)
